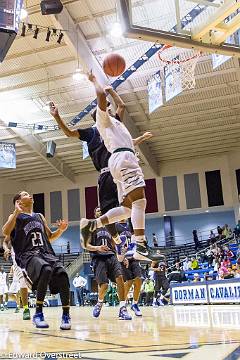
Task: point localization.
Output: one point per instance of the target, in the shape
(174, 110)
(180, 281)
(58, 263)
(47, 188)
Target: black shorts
(133, 271)
(38, 262)
(106, 268)
(108, 194)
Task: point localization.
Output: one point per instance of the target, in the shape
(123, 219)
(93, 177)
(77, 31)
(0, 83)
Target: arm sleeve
(86, 134)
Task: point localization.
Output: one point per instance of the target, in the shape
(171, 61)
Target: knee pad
(140, 204)
(138, 213)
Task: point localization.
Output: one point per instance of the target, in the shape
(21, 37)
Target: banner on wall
(189, 294)
(224, 292)
(7, 155)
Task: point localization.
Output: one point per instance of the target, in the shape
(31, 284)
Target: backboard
(207, 25)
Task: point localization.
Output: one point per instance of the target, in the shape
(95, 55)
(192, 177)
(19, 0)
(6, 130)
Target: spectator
(210, 255)
(227, 232)
(212, 238)
(195, 239)
(155, 242)
(194, 264)
(68, 247)
(148, 288)
(196, 277)
(219, 231)
(79, 283)
(237, 229)
(186, 264)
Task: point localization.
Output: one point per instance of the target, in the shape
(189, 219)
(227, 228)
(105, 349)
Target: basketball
(114, 65)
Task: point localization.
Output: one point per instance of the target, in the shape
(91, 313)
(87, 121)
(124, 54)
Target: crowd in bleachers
(215, 259)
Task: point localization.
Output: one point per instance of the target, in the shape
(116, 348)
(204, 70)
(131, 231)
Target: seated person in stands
(194, 264)
(208, 276)
(220, 231)
(177, 275)
(196, 277)
(185, 264)
(226, 261)
(212, 238)
(227, 231)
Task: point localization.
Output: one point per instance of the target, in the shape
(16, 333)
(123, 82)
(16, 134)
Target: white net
(182, 63)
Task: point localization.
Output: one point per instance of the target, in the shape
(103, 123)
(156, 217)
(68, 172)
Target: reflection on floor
(183, 332)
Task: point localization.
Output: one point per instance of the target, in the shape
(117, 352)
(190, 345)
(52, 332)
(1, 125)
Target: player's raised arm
(11, 222)
(103, 117)
(68, 132)
(54, 235)
(117, 100)
(147, 135)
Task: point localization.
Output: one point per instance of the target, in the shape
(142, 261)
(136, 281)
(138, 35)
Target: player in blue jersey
(130, 267)
(106, 267)
(31, 238)
(108, 194)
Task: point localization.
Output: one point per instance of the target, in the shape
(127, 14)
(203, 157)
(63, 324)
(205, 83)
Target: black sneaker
(86, 229)
(146, 253)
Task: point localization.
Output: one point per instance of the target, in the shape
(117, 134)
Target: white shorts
(14, 287)
(19, 275)
(3, 289)
(126, 173)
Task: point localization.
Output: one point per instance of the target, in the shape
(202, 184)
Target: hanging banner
(7, 155)
(155, 97)
(85, 152)
(218, 60)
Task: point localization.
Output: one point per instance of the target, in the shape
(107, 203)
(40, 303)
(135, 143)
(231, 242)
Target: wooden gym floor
(180, 332)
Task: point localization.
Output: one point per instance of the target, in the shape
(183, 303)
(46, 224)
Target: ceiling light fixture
(36, 33)
(60, 37)
(23, 33)
(48, 35)
(116, 30)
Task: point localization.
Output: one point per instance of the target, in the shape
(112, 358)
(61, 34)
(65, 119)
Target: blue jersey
(29, 238)
(102, 237)
(96, 147)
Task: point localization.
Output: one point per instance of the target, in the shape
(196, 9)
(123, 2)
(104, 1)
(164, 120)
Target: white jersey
(113, 132)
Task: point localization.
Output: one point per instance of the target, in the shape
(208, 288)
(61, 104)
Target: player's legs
(115, 274)
(100, 272)
(64, 292)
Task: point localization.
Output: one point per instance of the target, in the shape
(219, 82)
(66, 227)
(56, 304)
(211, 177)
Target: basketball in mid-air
(114, 65)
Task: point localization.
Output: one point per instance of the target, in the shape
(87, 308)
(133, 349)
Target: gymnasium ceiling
(198, 123)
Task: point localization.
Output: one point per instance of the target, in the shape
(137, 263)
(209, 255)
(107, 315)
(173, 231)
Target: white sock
(122, 303)
(138, 239)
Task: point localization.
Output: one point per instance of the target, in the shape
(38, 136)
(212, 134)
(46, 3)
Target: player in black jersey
(106, 267)
(108, 195)
(131, 269)
(31, 238)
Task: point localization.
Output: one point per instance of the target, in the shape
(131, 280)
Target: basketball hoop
(182, 63)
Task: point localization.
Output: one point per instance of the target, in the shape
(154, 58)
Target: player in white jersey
(3, 288)
(19, 283)
(126, 172)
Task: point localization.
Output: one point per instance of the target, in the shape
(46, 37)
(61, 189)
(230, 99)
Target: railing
(75, 266)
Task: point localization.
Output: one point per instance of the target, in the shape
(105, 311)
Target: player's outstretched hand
(62, 225)
(147, 135)
(103, 248)
(53, 109)
(91, 76)
(108, 89)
